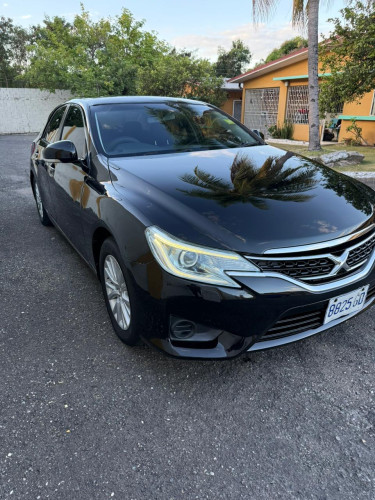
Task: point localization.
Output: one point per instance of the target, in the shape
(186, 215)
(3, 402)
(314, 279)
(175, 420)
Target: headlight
(194, 262)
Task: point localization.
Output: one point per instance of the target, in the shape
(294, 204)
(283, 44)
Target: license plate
(346, 304)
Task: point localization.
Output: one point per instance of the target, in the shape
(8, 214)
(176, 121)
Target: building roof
(292, 57)
(228, 85)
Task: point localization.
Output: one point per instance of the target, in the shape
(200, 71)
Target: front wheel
(118, 293)
(43, 216)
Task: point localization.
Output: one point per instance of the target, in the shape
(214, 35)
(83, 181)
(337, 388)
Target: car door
(67, 180)
(49, 135)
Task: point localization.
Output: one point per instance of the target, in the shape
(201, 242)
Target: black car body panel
(328, 206)
(99, 196)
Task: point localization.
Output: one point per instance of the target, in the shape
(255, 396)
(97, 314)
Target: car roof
(93, 101)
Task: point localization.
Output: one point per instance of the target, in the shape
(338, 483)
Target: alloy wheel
(117, 292)
(38, 199)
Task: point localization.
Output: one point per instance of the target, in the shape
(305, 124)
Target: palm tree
(251, 184)
(303, 10)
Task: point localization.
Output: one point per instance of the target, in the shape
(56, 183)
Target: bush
(284, 131)
(348, 141)
(357, 132)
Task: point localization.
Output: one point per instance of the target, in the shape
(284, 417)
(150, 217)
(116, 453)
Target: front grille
(317, 267)
(299, 323)
(370, 293)
(305, 268)
(361, 253)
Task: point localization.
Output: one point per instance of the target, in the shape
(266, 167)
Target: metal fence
(297, 105)
(261, 107)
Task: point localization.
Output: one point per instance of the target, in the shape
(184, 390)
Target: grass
(367, 165)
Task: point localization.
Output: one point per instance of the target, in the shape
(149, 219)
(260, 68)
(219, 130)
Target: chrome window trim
(324, 287)
(319, 246)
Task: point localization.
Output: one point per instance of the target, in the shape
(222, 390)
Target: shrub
(284, 131)
(348, 141)
(357, 132)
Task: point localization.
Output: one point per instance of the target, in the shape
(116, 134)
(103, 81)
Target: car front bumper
(265, 312)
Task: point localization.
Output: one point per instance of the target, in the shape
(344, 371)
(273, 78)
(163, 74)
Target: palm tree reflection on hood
(251, 184)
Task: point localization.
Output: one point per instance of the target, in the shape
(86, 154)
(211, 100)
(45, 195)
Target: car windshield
(133, 129)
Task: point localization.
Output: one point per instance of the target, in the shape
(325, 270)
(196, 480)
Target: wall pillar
(282, 103)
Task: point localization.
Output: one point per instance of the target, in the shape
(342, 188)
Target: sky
(200, 25)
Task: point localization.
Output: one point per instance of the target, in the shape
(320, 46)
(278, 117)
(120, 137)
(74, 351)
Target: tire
(43, 216)
(122, 307)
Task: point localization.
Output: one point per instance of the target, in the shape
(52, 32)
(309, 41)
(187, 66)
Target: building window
(372, 110)
(297, 107)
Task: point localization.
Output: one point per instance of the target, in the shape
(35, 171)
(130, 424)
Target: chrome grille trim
(320, 246)
(339, 263)
(336, 262)
(325, 287)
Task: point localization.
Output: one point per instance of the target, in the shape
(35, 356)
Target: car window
(74, 130)
(152, 128)
(51, 131)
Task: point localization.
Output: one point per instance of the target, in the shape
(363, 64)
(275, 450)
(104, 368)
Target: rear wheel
(43, 216)
(119, 295)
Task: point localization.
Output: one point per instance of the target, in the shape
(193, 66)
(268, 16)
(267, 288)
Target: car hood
(247, 199)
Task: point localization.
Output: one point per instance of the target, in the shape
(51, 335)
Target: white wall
(26, 110)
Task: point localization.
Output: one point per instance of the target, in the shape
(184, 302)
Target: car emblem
(341, 262)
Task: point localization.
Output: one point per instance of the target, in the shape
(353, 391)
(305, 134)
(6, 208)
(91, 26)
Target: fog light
(182, 329)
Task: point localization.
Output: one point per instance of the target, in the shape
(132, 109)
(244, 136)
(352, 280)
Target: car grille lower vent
(335, 263)
(292, 325)
(302, 322)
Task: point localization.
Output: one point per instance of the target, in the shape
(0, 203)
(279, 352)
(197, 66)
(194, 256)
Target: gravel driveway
(85, 417)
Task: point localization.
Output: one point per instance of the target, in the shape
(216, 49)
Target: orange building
(233, 104)
(278, 91)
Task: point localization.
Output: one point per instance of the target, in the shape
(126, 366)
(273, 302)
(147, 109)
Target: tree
(231, 63)
(302, 10)
(13, 52)
(286, 47)
(92, 58)
(115, 56)
(182, 75)
(349, 55)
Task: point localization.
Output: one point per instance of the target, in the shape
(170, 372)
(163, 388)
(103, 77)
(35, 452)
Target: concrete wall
(232, 95)
(26, 110)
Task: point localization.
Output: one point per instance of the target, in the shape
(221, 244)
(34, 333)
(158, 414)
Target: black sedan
(208, 242)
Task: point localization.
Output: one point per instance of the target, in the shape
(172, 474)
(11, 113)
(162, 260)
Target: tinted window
(136, 129)
(74, 130)
(50, 134)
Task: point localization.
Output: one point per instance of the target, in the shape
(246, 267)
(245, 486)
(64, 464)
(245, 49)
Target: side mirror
(258, 133)
(61, 151)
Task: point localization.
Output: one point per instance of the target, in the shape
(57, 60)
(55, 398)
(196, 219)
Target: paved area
(295, 143)
(366, 177)
(84, 417)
